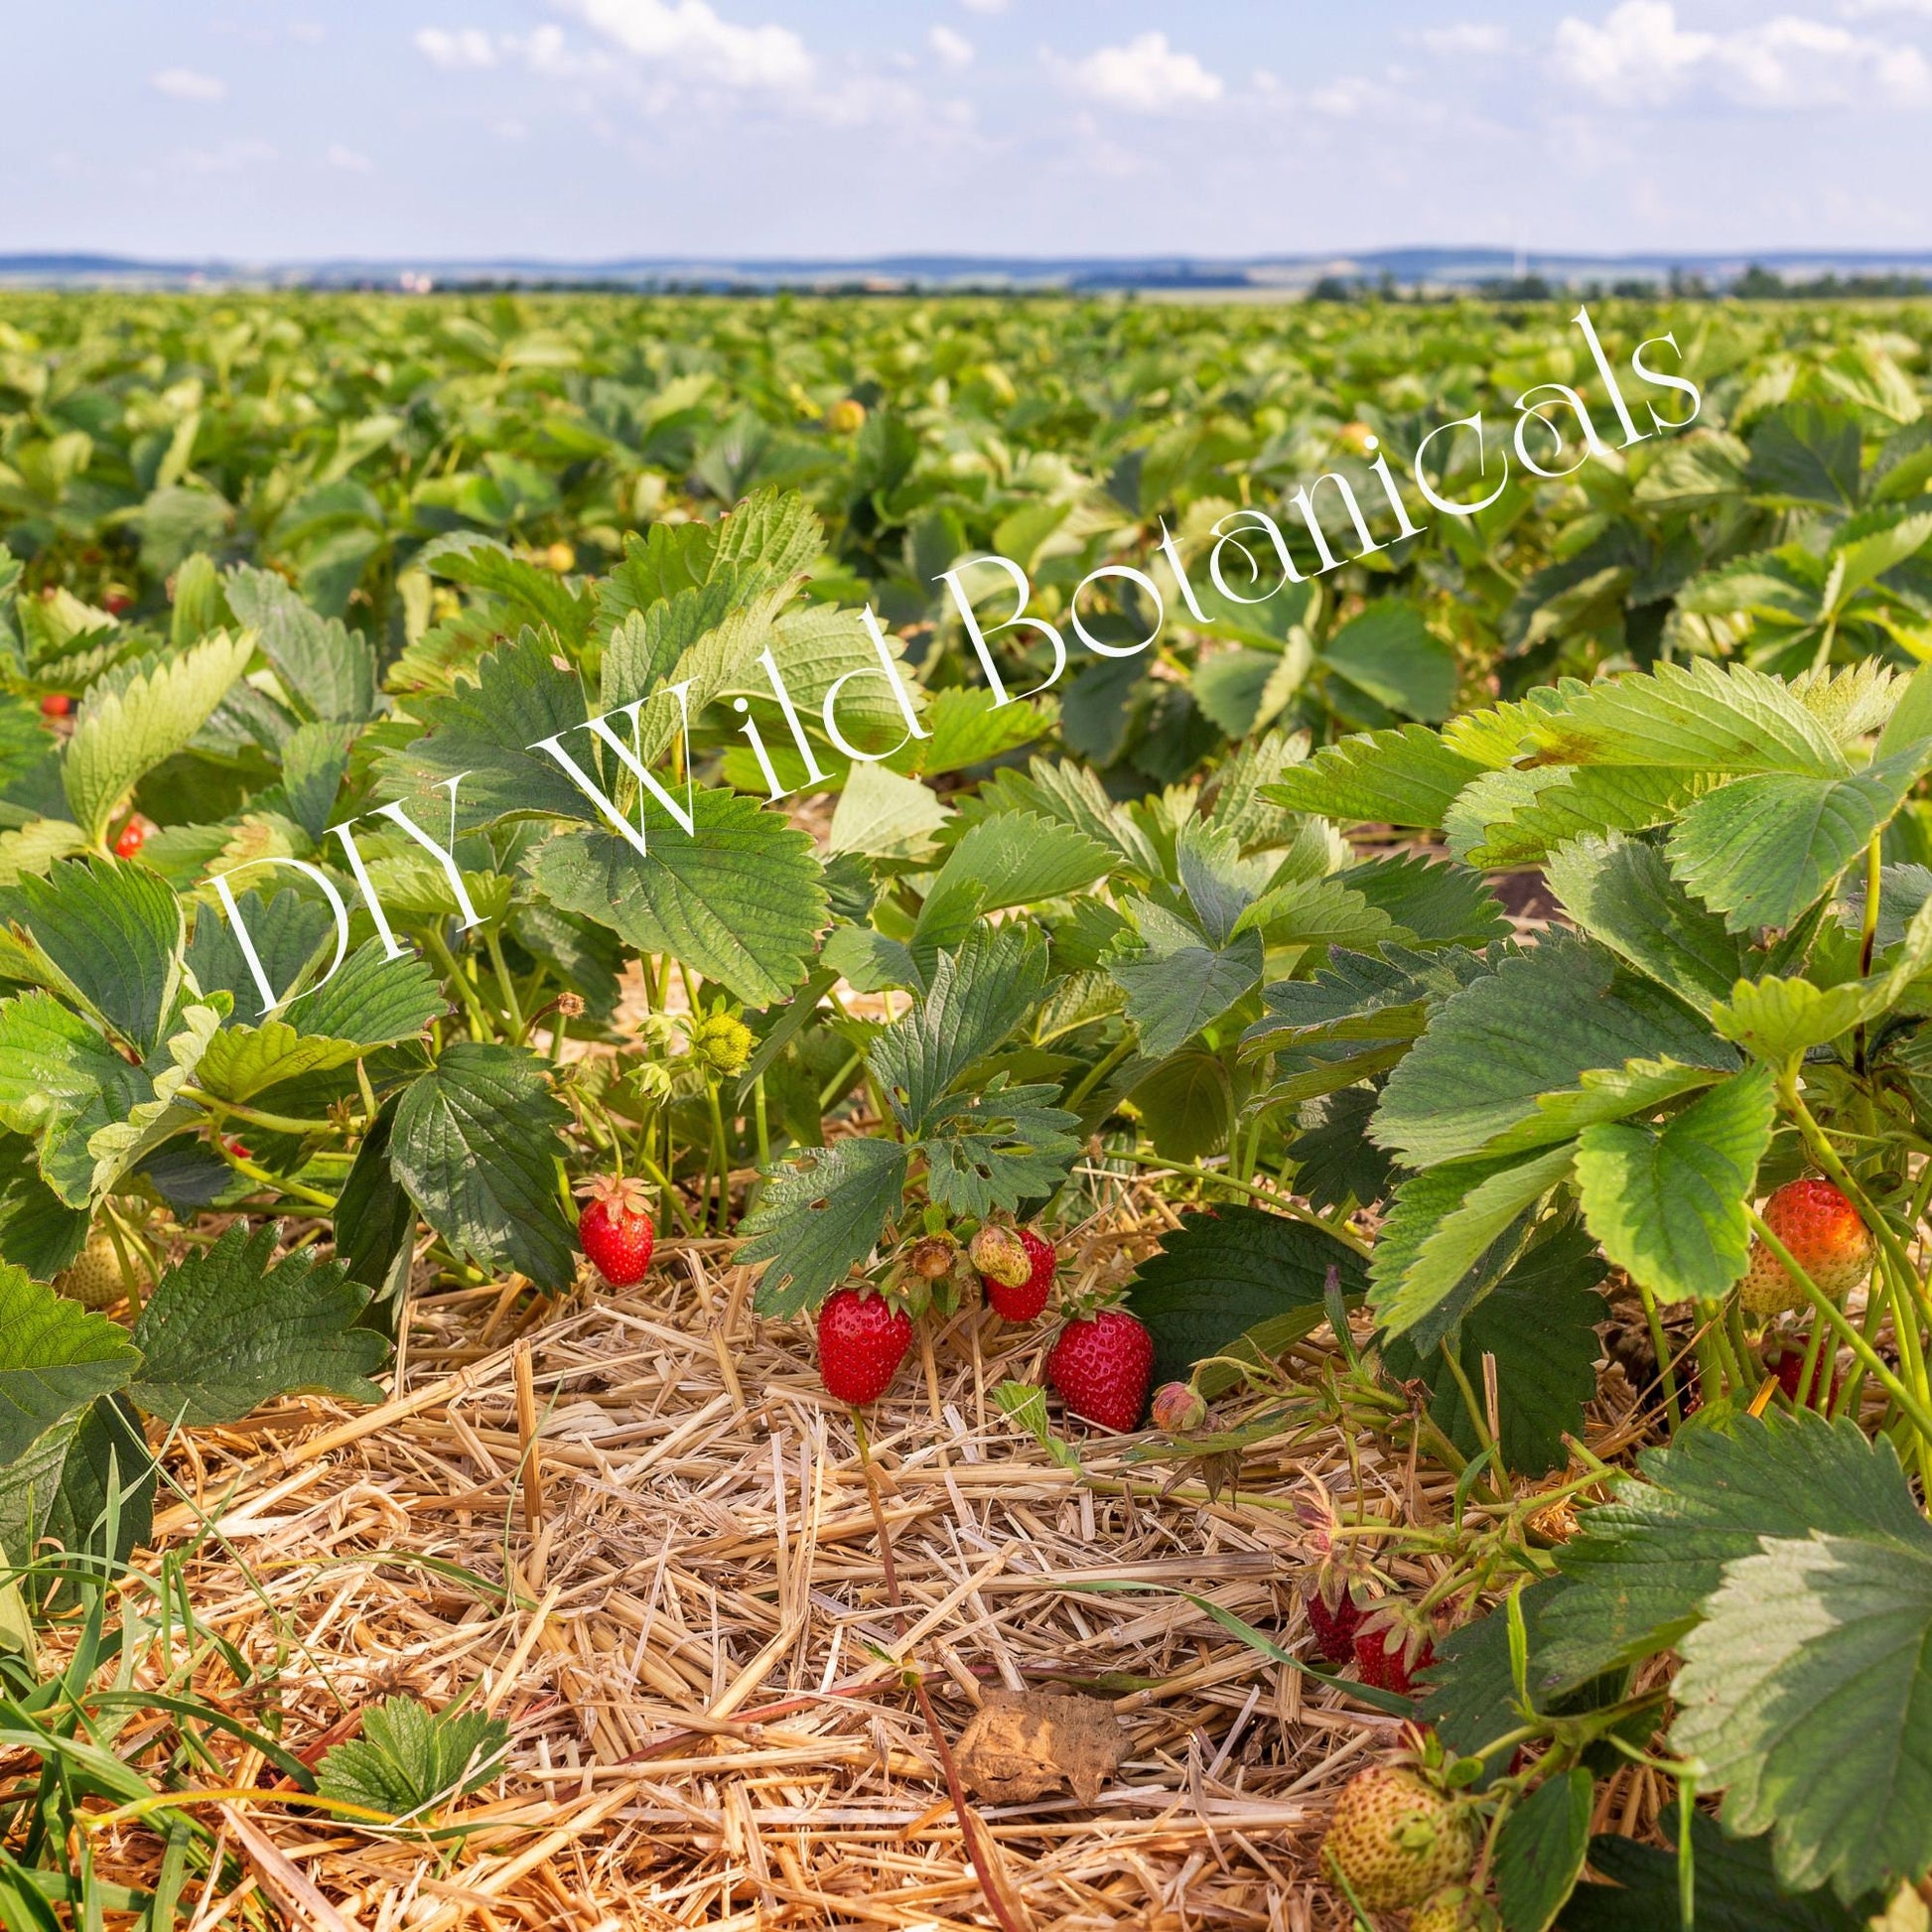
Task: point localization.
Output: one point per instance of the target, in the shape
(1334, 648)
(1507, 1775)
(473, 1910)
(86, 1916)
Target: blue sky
(586, 129)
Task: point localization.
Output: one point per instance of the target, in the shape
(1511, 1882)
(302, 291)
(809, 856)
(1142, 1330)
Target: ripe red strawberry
(1826, 1238)
(862, 1340)
(1786, 1361)
(616, 1229)
(1387, 1669)
(1023, 1301)
(57, 704)
(1101, 1365)
(115, 601)
(1396, 1838)
(1335, 1630)
(133, 836)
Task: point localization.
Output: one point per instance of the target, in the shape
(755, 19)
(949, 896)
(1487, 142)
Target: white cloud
(465, 47)
(1641, 58)
(183, 83)
(1146, 77)
(953, 49)
(690, 36)
(1465, 37)
(1638, 58)
(348, 160)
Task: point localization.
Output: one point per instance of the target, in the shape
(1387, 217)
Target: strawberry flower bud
(1177, 1408)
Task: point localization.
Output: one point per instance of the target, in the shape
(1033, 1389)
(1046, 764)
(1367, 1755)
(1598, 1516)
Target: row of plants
(904, 1029)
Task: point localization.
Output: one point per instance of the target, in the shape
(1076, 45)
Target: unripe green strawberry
(1457, 1909)
(1000, 1255)
(1826, 1238)
(95, 1279)
(1396, 1838)
(723, 1042)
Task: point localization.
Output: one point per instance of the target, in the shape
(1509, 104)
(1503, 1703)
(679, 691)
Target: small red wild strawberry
(57, 704)
(1333, 1624)
(1101, 1367)
(1824, 1235)
(1786, 1361)
(133, 836)
(1023, 1301)
(1390, 1647)
(862, 1340)
(616, 1229)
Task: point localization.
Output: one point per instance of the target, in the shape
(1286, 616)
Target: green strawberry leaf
(1540, 1851)
(1540, 1322)
(977, 995)
(740, 901)
(409, 1760)
(1640, 1567)
(1735, 1889)
(476, 1145)
(107, 936)
(1807, 1695)
(997, 1147)
(1668, 1205)
(1231, 1272)
(1538, 1023)
(1406, 777)
(1764, 849)
(139, 714)
(55, 1357)
(818, 1217)
(231, 1328)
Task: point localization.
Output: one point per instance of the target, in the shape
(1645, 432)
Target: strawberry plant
(568, 796)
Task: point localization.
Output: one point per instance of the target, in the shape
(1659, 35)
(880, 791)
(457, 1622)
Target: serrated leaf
(1319, 913)
(1389, 652)
(818, 1217)
(1540, 1851)
(62, 1082)
(476, 1143)
(1535, 1024)
(1236, 1271)
(977, 995)
(1438, 903)
(37, 1230)
(1704, 716)
(410, 1759)
(741, 900)
(232, 1327)
(1518, 818)
(108, 936)
(1734, 1889)
(483, 733)
(1182, 982)
(130, 721)
(1540, 1322)
(529, 595)
(1763, 850)
(1186, 1105)
(326, 668)
(1668, 1205)
(1406, 777)
(1360, 996)
(997, 1147)
(1640, 1567)
(54, 1357)
(1014, 859)
(1806, 1693)
(290, 932)
(884, 815)
(1619, 892)
(1442, 1245)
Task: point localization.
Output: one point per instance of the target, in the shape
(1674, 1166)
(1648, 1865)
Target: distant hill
(1404, 268)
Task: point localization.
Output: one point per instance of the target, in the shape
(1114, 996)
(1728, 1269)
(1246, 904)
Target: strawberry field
(948, 1112)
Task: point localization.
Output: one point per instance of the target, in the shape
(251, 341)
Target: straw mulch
(696, 1647)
